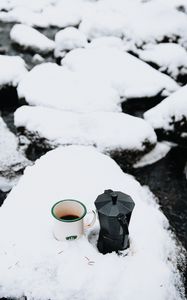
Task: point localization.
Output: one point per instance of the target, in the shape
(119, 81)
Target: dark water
(165, 178)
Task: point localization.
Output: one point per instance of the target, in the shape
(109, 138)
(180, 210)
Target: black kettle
(114, 211)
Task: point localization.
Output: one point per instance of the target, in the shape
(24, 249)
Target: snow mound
(107, 41)
(169, 57)
(37, 266)
(12, 69)
(12, 161)
(107, 131)
(100, 24)
(171, 113)
(31, 39)
(54, 86)
(131, 77)
(68, 39)
(156, 21)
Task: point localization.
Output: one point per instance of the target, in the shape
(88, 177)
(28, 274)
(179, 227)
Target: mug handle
(93, 220)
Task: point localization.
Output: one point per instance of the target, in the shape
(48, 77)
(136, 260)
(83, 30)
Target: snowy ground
(93, 59)
(62, 267)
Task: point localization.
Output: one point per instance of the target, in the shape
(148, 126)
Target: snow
(6, 184)
(103, 24)
(138, 21)
(37, 266)
(131, 77)
(31, 39)
(107, 131)
(12, 69)
(54, 86)
(12, 160)
(107, 41)
(68, 39)
(169, 57)
(159, 152)
(171, 110)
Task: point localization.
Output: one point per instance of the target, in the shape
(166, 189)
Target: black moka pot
(114, 212)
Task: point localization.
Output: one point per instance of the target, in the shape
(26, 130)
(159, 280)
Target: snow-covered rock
(12, 70)
(31, 39)
(36, 265)
(103, 24)
(12, 161)
(54, 86)
(107, 41)
(131, 77)
(68, 39)
(156, 21)
(168, 57)
(113, 133)
(170, 116)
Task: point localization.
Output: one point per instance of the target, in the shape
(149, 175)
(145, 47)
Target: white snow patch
(37, 266)
(174, 106)
(30, 38)
(159, 152)
(101, 23)
(107, 41)
(12, 69)
(131, 77)
(68, 39)
(37, 58)
(6, 184)
(11, 159)
(54, 86)
(107, 131)
(169, 57)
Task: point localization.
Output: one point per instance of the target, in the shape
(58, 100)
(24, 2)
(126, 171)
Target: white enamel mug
(68, 216)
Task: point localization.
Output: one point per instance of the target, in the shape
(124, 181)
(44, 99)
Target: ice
(68, 39)
(169, 112)
(12, 161)
(12, 69)
(107, 131)
(31, 39)
(131, 77)
(169, 57)
(37, 266)
(54, 86)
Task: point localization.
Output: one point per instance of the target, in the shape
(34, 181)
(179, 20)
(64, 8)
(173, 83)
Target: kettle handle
(123, 222)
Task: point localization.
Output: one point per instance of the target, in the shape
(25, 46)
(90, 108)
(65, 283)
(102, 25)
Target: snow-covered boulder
(54, 86)
(101, 23)
(12, 161)
(68, 39)
(31, 39)
(156, 21)
(107, 41)
(12, 70)
(167, 57)
(36, 265)
(170, 116)
(118, 134)
(131, 77)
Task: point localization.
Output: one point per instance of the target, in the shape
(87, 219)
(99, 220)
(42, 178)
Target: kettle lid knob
(114, 197)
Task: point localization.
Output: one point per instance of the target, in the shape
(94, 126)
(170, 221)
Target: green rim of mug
(68, 221)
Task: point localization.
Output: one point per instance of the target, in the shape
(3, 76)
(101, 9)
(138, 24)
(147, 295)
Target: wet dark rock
(126, 159)
(3, 196)
(131, 106)
(178, 134)
(8, 98)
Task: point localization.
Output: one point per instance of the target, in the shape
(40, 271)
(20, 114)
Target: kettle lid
(112, 203)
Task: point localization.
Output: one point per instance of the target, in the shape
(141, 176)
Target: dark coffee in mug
(69, 217)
